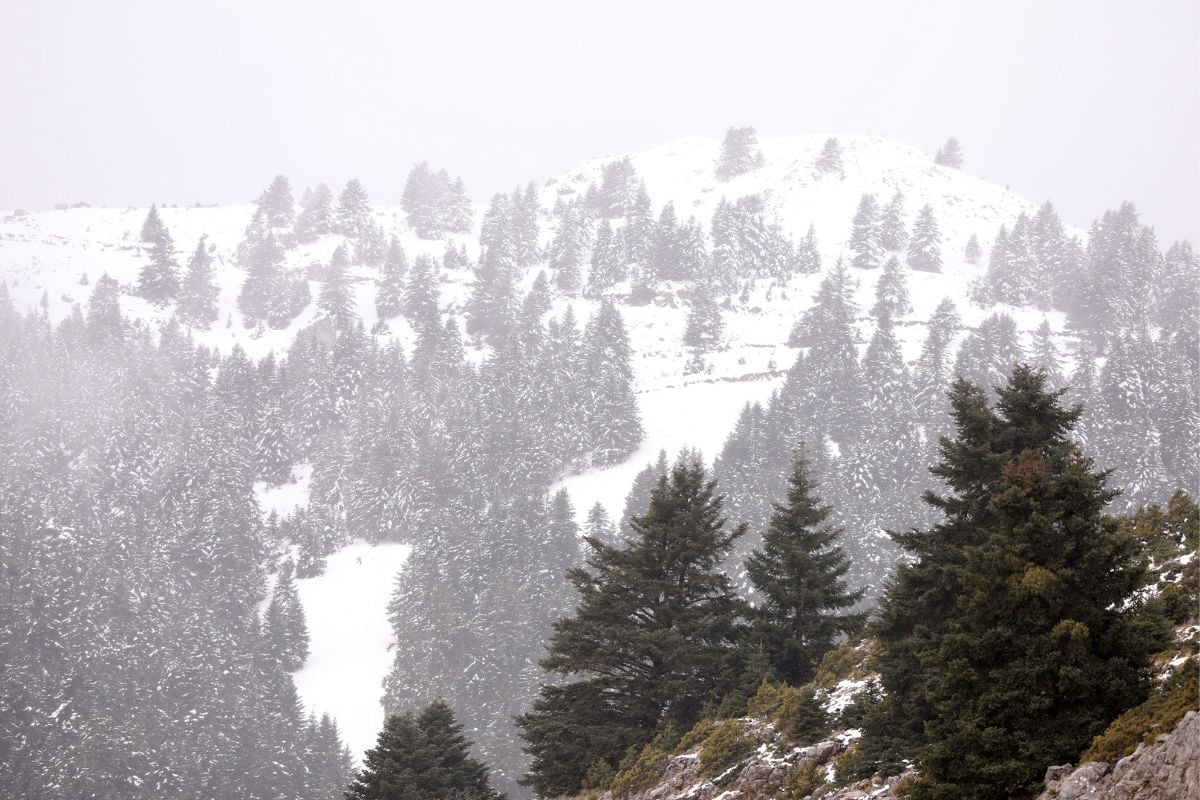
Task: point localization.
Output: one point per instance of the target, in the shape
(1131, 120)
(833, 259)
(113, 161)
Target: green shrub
(801, 716)
(599, 776)
(767, 700)
(802, 781)
(725, 745)
(696, 736)
(1159, 714)
(639, 770)
(838, 664)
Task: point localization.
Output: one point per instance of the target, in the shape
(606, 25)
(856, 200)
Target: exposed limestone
(1168, 769)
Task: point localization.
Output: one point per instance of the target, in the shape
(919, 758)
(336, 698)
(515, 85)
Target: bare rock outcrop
(1167, 769)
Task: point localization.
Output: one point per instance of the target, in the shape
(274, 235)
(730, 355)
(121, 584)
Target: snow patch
(349, 634)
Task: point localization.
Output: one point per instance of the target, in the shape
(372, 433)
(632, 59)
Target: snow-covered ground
(58, 255)
(695, 416)
(349, 633)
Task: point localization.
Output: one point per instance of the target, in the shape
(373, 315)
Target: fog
(128, 103)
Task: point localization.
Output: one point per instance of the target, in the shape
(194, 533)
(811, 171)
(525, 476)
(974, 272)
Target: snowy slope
(49, 252)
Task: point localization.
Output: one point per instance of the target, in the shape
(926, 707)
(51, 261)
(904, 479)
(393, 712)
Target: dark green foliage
(799, 573)
(653, 637)
(1142, 724)
(422, 757)
(1008, 641)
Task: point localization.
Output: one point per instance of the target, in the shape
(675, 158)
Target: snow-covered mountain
(55, 257)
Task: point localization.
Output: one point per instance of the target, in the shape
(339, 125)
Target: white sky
(117, 102)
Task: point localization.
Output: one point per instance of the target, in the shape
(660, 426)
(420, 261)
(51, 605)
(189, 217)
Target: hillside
(687, 397)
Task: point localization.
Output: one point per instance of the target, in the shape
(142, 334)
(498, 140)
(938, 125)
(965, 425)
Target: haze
(128, 103)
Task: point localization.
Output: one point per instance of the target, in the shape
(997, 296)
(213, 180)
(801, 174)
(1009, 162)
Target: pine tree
(353, 210)
(198, 295)
(892, 233)
(653, 635)
(613, 418)
(949, 154)
(607, 267)
(335, 301)
(284, 627)
(830, 160)
(389, 300)
(158, 282)
(739, 153)
(808, 254)
(599, 526)
(891, 294)
(263, 277)
(703, 331)
(1008, 638)
(972, 252)
(925, 246)
(799, 572)
(152, 228)
(276, 204)
(421, 292)
(864, 238)
(316, 215)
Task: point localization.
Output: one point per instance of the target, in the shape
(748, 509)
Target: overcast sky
(125, 103)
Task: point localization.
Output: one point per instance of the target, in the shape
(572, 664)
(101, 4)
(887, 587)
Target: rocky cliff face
(1168, 769)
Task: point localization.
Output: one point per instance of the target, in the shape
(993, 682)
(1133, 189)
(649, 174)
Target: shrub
(802, 781)
(639, 769)
(725, 746)
(1159, 714)
(802, 717)
(767, 701)
(840, 663)
(599, 776)
(696, 736)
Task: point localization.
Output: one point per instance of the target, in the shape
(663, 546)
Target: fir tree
(262, 279)
(808, 254)
(607, 267)
(739, 153)
(284, 627)
(421, 292)
(891, 294)
(949, 154)
(703, 331)
(864, 238)
(335, 301)
(316, 215)
(353, 209)
(830, 159)
(799, 572)
(925, 246)
(152, 228)
(892, 233)
(972, 252)
(198, 295)
(158, 282)
(1008, 639)
(653, 635)
(276, 204)
(389, 300)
